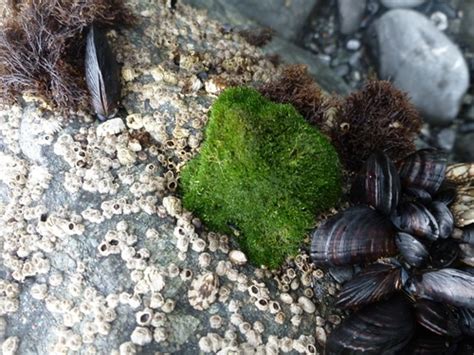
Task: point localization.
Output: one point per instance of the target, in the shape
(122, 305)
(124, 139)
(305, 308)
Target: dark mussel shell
(444, 252)
(437, 318)
(468, 234)
(423, 169)
(426, 343)
(379, 328)
(466, 321)
(446, 193)
(412, 250)
(415, 219)
(450, 286)
(102, 74)
(378, 184)
(444, 217)
(371, 285)
(419, 195)
(358, 234)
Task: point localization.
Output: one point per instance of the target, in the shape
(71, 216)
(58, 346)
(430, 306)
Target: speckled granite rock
(422, 61)
(97, 255)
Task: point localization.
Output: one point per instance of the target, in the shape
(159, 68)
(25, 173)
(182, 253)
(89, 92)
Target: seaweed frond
(297, 87)
(377, 117)
(257, 37)
(42, 48)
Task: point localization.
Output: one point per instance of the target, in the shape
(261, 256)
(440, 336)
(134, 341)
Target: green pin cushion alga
(262, 170)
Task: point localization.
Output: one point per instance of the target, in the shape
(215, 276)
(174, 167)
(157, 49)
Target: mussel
(377, 184)
(371, 285)
(415, 219)
(466, 321)
(425, 169)
(444, 252)
(380, 328)
(102, 74)
(358, 234)
(444, 217)
(437, 318)
(450, 286)
(412, 250)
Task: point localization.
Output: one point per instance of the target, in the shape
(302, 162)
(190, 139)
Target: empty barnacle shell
(436, 317)
(379, 328)
(102, 74)
(425, 169)
(374, 283)
(450, 286)
(358, 234)
(412, 250)
(415, 219)
(444, 252)
(444, 217)
(460, 173)
(378, 184)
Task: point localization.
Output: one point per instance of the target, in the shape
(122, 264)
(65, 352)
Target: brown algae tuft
(262, 174)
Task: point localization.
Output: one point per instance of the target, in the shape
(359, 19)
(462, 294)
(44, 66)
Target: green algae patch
(262, 174)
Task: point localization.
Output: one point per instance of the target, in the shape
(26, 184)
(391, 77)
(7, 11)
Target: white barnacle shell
(169, 305)
(127, 348)
(172, 205)
(280, 318)
(237, 257)
(144, 317)
(215, 321)
(154, 278)
(134, 121)
(203, 291)
(10, 345)
(307, 305)
(262, 304)
(286, 344)
(286, 298)
(141, 336)
(126, 156)
(204, 260)
(39, 291)
(111, 127)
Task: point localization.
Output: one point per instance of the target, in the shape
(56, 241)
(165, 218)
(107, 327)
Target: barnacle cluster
(400, 212)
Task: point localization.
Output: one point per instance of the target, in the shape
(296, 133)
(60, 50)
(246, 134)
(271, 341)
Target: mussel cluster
(412, 295)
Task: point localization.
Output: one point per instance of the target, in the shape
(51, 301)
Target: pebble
(422, 61)
(353, 44)
(351, 13)
(401, 3)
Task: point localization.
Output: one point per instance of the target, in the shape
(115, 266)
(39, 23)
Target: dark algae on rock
(262, 174)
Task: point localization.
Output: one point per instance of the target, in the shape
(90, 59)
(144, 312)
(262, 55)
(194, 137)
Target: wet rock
(350, 13)
(467, 28)
(464, 147)
(422, 61)
(446, 138)
(401, 3)
(287, 18)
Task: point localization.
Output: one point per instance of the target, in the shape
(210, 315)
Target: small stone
(350, 15)
(353, 44)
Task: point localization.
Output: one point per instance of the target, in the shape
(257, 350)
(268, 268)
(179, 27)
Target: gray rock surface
(467, 23)
(287, 18)
(401, 3)
(228, 13)
(351, 13)
(422, 61)
(97, 254)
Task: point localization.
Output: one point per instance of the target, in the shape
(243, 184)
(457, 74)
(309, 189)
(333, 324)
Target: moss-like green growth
(263, 171)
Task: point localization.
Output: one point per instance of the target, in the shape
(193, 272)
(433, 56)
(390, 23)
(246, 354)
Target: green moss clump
(262, 170)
